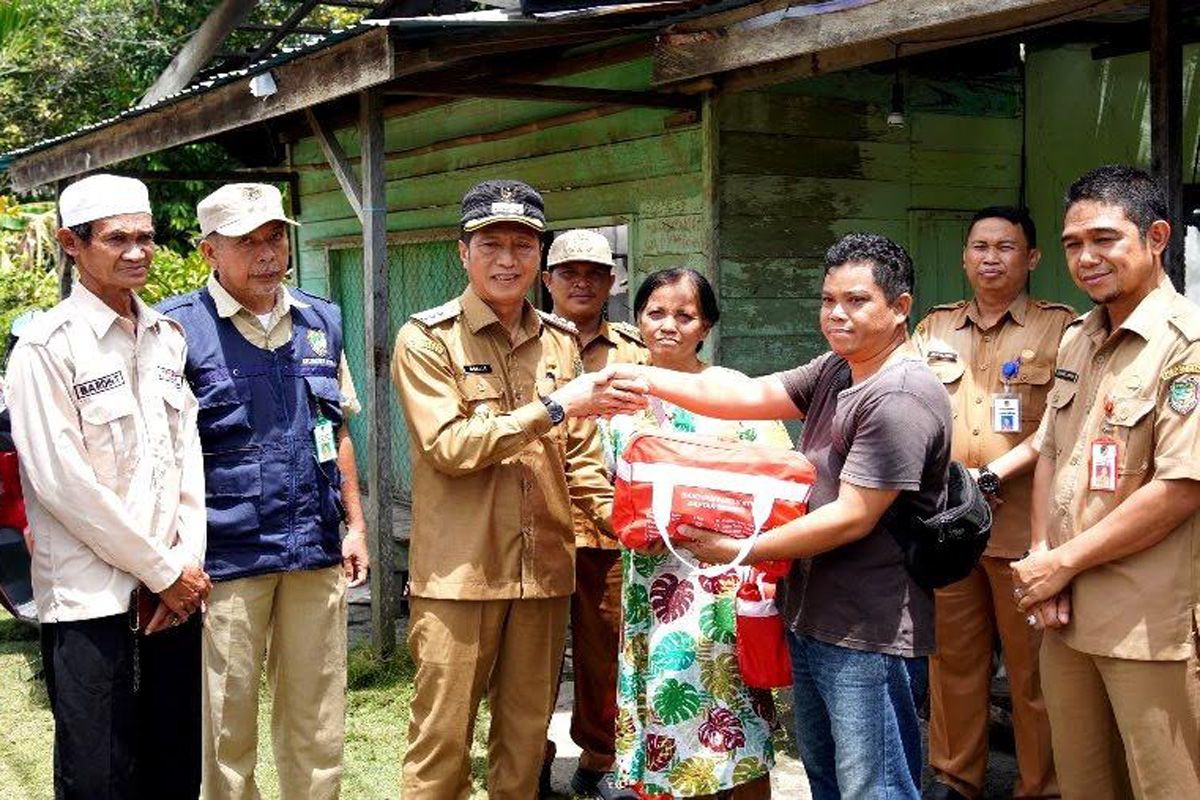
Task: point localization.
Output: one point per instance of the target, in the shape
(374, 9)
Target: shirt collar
(101, 318)
(479, 314)
(1016, 309)
(228, 305)
(1148, 316)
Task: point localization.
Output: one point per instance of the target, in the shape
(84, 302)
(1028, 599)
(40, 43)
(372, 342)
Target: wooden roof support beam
(376, 288)
(295, 18)
(538, 91)
(336, 156)
(363, 61)
(1166, 123)
(902, 27)
(199, 49)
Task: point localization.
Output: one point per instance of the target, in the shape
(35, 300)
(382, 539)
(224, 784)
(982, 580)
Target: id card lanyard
(324, 439)
(1006, 406)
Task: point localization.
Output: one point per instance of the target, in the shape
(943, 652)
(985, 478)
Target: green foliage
(173, 274)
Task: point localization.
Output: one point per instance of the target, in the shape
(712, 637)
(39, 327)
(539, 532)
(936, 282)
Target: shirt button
(987, 338)
(975, 431)
(978, 400)
(983, 367)
(1074, 460)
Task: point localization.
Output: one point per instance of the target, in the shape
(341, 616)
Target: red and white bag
(12, 504)
(762, 651)
(669, 479)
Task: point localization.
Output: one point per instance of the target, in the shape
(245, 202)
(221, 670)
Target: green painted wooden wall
(1072, 129)
(804, 163)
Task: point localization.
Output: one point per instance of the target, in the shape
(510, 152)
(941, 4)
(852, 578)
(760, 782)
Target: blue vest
(272, 507)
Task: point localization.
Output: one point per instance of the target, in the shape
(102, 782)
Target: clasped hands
(181, 599)
(1041, 585)
(607, 393)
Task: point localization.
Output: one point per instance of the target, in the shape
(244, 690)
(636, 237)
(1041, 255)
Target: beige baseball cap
(579, 245)
(238, 208)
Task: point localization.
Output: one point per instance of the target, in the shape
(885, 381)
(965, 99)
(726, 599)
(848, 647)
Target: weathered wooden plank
(782, 154)
(831, 198)
(377, 329)
(942, 91)
(963, 133)
(671, 235)
(671, 154)
(769, 316)
(341, 69)
(930, 21)
(764, 355)
(571, 138)
(771, 277)
(966, 169)
(588, 95)
(338, 164)
(784, 236)
(818, 117)
(962, 197)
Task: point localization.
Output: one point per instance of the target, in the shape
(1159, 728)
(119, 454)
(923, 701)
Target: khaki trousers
(970, 614)
(296, 621)
(510, 648)
(596, 635)
(1123, 728)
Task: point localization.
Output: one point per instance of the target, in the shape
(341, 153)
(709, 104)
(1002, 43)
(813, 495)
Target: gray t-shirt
(891, 431)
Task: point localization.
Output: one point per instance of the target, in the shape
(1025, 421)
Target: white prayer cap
(239, 208)
(99, 196)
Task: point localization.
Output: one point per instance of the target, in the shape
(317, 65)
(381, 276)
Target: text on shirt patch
(98, 385)
(477, 369)
(939, 355)
(1067, 375)
(171, 376)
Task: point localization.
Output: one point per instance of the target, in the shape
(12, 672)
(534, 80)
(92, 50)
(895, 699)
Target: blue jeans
(856, 720)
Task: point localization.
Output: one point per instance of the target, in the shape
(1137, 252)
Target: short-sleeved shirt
(967, 358)
(614, 343)
(1138, 386)
(493, 480)
(890, 431)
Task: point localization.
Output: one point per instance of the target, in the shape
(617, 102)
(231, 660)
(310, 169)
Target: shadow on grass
(366, 670)
(21, 640)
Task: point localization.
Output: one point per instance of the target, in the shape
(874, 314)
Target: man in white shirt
(111, 468)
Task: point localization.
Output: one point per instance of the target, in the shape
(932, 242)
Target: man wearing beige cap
(267, 367)
(579, 276)
(105, 428)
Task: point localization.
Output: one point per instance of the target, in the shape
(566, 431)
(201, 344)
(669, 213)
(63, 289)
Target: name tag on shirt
(1006, 413)
(324, 440)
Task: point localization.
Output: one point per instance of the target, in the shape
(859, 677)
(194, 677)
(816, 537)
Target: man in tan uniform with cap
(105, 427)
(268, 369)
(1116, 515)
(579, 276)
(486, 384)
(995, 355)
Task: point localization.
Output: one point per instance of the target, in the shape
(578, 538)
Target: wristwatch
(556, 412)
(989, 482)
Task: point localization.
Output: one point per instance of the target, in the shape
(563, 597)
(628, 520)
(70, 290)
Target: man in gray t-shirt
(878, 430)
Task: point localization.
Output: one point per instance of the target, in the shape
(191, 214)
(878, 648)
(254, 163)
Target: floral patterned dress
(686, 724)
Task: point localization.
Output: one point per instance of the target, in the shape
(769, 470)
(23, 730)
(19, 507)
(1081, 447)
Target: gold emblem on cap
(507, 193)
(252, 193)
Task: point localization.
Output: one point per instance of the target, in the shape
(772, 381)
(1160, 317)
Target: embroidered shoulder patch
(1067, 375)
(97, 385)
(942, 355)
(1182, 394)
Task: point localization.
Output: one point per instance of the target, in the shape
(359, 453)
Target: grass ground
(376, 723)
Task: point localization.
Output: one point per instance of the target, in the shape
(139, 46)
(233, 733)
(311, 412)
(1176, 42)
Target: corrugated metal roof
(480, 22)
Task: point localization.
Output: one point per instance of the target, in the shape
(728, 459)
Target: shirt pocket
(948, 372)
(1133, 428)
(1032, 385)
(233, 488)
(173, 398)
(222, 408)
(110, 433)
(483, 397)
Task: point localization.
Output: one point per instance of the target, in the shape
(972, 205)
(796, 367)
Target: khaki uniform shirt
(111, 469)
(968, 359)
(615, 343)
(493, 480)
(277, 332)
(1139, 387)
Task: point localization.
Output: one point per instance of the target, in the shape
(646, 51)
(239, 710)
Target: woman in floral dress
(687, 726)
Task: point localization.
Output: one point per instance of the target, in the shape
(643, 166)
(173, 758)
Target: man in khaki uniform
(995, 354)
(579, 276)
(1116, 545)
(486, 383)
(114, 486)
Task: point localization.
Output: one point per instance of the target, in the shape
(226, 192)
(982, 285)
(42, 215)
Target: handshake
(618, 389)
